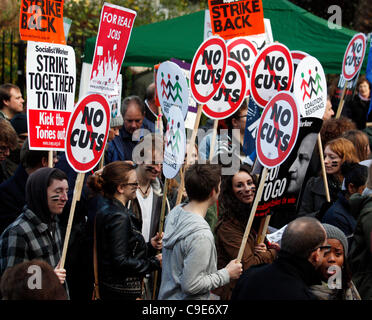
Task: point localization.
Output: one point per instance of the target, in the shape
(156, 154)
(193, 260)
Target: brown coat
(229, 234)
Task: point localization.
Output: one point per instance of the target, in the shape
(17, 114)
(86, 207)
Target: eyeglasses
(327, 248)
(133, 184)
(243, 116)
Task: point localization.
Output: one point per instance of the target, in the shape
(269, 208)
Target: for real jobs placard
(113, 37)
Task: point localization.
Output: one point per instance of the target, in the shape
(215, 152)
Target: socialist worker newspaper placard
(50, 81)
(42, 21)
(113, 37)
(237, 18)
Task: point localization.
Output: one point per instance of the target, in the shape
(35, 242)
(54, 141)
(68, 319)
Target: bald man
(303, 245)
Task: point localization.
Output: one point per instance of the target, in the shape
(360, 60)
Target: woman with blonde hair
(314, 202)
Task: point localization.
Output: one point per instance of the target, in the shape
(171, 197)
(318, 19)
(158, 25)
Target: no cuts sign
(87, 132)
(354, 56)
(278, 130)
(242, 50)
(272, 72)
(208, 69)
(230, 95)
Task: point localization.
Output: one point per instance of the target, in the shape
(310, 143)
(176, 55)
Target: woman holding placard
(123, 255)
(236, 198)
(314, 201)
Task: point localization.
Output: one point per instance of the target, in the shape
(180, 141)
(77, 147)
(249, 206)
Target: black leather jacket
(121, 249)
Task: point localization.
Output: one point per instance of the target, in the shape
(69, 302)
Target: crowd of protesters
(116, 248)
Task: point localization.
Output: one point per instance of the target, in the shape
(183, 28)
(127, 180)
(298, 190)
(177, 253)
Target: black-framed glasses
(327, 248)
(132, 184)
(243, 116)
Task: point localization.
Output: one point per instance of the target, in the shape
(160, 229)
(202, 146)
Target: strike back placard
(42, 21)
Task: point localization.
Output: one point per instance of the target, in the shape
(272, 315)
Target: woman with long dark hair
(235, 202)
(124, 257)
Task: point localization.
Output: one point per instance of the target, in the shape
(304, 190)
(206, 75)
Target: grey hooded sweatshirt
(189, 267)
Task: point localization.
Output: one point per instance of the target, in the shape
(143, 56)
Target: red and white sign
(113, 37)
(278, 130)
(242, 50)
(230, 95)
(50, 82)
(87, 132)
(354, 55)
(272, 72)
(208, 69)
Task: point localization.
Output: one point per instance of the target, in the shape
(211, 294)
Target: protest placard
(231, 19)
(354, 56)
(272, 72)
(50, 82)
(310, 88)
(175, 144)
(278, 129)
(242, 50)
(172, 88)
(42, 21)
(230, 95)
(284, 183)
(87, 132)
(208, 69)
(114, 32)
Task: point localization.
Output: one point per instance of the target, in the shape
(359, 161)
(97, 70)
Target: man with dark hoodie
(35, 233)
(189, 253)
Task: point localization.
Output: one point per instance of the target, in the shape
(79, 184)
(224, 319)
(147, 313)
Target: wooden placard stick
(76, 197)
(265, 224)
(101, 161)
(189, 152)
(159, 121)
(50, 158)
(324, 174)
(194, 133)
(213, 141)
(161, 228)
(252, 214)
(342, 100)
(181, 186)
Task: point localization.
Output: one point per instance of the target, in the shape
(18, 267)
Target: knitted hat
(116, 121)
(335, 233)
(19, 123)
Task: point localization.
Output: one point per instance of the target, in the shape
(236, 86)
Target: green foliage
(85, 14)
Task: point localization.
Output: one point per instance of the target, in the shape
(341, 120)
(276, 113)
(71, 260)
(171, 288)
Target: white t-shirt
(146, 208)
